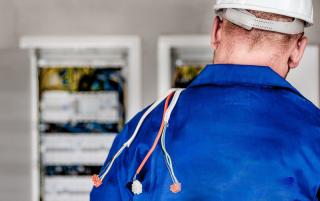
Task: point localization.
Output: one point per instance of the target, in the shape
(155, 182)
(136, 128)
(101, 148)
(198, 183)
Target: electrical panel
(81, 109)
(187, 63)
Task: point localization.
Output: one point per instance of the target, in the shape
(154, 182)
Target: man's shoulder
(286, 102)
(302, 104)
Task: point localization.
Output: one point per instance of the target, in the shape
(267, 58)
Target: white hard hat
(300, 10)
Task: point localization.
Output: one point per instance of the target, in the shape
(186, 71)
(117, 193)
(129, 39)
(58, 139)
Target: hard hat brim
(309, 21)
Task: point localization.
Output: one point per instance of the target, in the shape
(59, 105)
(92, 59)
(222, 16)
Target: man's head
(236, 45)
(261, 32)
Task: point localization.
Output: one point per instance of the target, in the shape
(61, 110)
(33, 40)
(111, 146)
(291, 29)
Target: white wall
(147, 18)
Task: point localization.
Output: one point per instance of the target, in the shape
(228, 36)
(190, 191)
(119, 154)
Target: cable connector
(96, 181)
(175, 188)
(136, 187)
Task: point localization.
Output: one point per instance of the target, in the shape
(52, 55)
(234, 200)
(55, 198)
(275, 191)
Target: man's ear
(216, 33)
(297, 52)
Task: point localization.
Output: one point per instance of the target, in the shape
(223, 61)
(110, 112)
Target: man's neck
(253, 57)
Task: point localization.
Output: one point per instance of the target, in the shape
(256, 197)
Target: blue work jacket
(237, 133)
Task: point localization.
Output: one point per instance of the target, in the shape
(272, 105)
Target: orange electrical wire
(157, 138)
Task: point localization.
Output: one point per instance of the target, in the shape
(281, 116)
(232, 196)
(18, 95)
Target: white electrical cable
(109, 165)
(163, 137)
(168, 157)
(172, 104)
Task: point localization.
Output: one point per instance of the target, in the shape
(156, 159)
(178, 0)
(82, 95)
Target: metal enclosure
(73, 126)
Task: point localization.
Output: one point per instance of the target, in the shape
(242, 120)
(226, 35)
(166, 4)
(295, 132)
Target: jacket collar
(230, 74)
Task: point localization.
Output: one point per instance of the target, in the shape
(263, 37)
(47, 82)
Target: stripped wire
(157, 138)
(136, 186)
(97, 179)
(176, 186)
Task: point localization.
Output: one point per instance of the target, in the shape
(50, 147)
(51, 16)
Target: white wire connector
(136, 187)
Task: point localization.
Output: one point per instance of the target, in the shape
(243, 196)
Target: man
(240, 131)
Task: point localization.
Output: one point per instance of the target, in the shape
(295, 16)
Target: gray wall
(145, 18)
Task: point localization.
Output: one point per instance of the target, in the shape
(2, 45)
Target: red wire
(157, 138)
